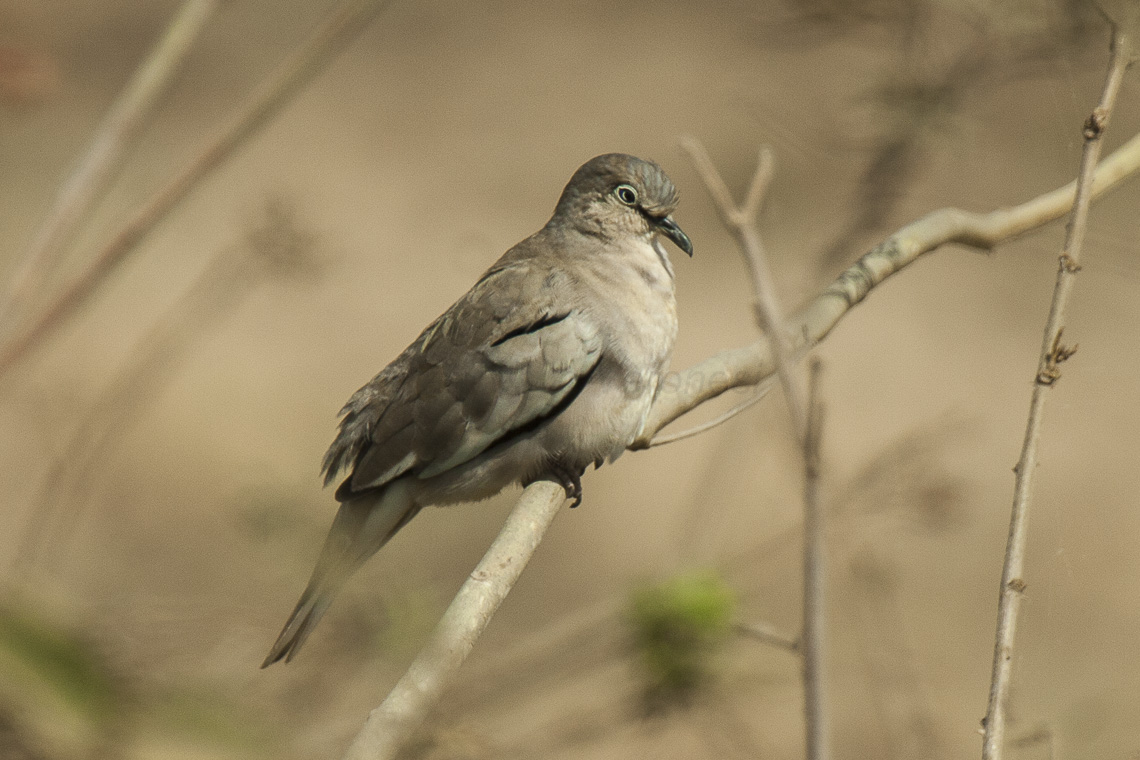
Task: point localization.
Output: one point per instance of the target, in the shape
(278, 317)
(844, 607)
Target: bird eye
(626, 194)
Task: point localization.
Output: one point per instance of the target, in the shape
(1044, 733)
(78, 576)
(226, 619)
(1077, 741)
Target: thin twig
(391, 724)
(346, 21)
(741, 223)
(816, 721)
(761, 391)
(768, 635)
(104, 156)
(1052, 354)
(276, 248)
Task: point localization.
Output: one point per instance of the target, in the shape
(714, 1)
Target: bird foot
(567, 477)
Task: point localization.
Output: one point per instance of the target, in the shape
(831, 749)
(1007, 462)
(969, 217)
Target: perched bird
(550, 362)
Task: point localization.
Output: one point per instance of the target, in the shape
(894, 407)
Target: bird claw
(570, 479)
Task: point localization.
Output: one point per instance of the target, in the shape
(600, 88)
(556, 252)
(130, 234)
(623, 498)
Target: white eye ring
(627, 194)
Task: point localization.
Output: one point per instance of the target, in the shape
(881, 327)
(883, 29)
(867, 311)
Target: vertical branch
(346, 20)
(277, 247)
(806, 420)
(104, 156)
(741, 223)
(1053, 353)
(815, 567)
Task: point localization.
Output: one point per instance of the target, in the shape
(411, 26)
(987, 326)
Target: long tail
(361, 527)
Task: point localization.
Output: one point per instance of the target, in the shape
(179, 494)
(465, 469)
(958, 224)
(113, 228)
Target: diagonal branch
(391, 724)
(748, 365)
(1048, 372)
(99, 165)
(349, 18)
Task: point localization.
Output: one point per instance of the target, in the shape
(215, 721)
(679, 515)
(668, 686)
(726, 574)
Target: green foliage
(61, 698)
(59, 685)
(679, 626)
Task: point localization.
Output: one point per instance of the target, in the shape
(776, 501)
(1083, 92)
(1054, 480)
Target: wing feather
(495, 365)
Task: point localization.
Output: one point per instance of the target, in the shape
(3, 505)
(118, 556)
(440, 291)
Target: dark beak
(669, 229)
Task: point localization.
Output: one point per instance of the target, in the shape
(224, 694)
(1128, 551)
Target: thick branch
(748, 365)
(1048, 372)
(391, 724)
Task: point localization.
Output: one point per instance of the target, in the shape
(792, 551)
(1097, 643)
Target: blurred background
(159, 455)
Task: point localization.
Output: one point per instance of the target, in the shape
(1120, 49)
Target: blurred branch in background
(1053, 353)
(99, 166)
(347, 20)
(903, 489)
(277, 247)
(918, 97)
(928, 76)
(908, 722)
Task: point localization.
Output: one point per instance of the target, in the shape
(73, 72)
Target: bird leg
(567, 477)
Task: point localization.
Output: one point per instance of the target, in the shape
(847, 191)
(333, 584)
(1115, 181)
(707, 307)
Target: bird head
(617, 194)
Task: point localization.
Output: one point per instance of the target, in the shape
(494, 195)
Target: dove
(549, 363)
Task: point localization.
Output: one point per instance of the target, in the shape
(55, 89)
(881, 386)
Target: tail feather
(305, 617)
(361, 527)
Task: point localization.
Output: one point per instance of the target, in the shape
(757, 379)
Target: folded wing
(509, 355)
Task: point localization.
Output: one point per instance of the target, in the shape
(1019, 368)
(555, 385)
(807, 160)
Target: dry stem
(104, 156)
(816, 721)
(1052, 354)
(349, 18)
(768, 635)
(741, 222)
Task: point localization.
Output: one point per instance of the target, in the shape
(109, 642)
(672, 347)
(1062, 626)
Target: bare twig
(816, 722)
(396, 719)
(748, 365)
(390, 724)
(276, 248)
(1052, 354)
(349, 18)
(761, 391)
(768, 635)
(104, 156)
(1042, 735)
(741, 223)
